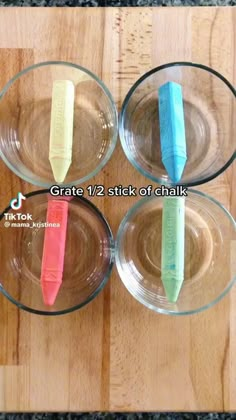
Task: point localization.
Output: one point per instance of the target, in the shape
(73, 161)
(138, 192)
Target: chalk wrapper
(61, 129)
(172, 130)
(173, 251)
(54, 250)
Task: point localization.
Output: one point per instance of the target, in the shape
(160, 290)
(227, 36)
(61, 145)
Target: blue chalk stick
(172, 130)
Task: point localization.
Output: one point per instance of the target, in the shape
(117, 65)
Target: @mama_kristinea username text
(119, 191)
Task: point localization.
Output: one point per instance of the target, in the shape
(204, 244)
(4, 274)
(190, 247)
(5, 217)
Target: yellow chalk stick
(61, 130)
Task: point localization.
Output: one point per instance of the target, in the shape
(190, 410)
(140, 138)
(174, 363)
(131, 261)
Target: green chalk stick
(172, 257)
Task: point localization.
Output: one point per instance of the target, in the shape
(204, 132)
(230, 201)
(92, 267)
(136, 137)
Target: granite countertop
(118, 416)
(117, 3)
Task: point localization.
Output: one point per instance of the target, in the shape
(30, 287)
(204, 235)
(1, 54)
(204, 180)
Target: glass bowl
(210, 235)
(88, 255)
(25, 116)
(210, 123)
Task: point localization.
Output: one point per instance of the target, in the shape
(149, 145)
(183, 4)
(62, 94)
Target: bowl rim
(125, 103)
(114, 139)
(141, 300)
(103, 282)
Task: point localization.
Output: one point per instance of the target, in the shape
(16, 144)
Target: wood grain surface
(114, 354)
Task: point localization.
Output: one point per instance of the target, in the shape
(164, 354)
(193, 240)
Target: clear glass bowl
(88, 258)
(25, 115)
(210, 123)
(210, 235)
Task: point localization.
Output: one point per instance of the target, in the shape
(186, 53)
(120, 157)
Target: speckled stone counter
(109, 3)
(119, 416)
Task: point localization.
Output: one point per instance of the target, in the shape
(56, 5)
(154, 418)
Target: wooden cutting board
(114, 354)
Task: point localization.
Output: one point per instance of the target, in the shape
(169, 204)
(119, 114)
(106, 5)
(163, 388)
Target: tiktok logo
(16, 203)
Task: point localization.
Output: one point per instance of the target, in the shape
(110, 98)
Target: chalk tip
(172, 288)
(50, 291)
(169, 85)
(175, 167)
(60, 168)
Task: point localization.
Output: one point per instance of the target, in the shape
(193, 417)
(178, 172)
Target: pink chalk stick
(54, 250)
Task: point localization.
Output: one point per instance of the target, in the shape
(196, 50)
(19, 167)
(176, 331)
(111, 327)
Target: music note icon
(16, 203)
